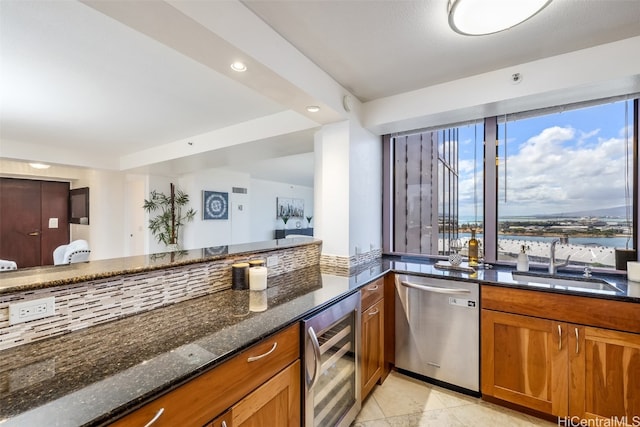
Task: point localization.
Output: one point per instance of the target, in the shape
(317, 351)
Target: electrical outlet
(31, 310)
(272, 261)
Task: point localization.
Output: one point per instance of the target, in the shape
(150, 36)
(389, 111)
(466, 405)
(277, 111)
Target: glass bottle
(473, 249)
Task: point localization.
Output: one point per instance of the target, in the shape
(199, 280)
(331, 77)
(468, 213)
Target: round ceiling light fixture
(239, 67)
(481, 17)
(313, 108)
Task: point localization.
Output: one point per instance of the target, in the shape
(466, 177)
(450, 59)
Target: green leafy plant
(166, 225)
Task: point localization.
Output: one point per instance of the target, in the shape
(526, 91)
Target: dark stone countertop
(95, 375)
(497, 275)
(57, 275)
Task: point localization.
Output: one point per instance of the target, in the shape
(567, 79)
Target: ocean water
(611, 242)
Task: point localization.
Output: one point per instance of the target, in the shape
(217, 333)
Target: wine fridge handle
(317, 356)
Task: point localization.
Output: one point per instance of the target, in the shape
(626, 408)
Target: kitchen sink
(564, 282)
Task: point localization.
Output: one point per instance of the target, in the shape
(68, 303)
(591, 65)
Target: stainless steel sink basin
(564, 282)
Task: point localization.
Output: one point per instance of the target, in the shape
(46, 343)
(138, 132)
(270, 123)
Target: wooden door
(275, 403)
(26, 208)
(524, 361)
(372, 346)
(605, 374)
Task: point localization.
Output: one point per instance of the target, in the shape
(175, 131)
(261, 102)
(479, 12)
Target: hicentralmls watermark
(599, 422)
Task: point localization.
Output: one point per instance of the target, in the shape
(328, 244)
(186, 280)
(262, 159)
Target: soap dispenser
(523, 259)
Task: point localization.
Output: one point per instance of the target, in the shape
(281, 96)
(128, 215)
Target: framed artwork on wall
(215, 205)
(291, 208)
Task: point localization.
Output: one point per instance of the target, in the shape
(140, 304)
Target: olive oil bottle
(473, 250)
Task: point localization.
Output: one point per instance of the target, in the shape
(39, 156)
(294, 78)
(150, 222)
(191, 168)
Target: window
(437, 188)
(566, 173)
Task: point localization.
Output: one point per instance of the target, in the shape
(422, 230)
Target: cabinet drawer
(372, 293)
(200, 400)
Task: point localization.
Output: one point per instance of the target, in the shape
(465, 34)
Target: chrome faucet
(553, 266)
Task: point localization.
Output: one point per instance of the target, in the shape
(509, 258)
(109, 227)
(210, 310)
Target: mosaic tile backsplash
(93, 302)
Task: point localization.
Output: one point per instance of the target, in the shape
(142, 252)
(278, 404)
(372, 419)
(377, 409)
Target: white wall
(263, 196)
(105, 232)
(332, 188)
(365, 195)
(204, 233)
(252, 216)
(135, 219)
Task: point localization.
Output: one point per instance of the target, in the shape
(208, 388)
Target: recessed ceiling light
(480, 17)
(238, 66)
(39, 166)
(313, 108)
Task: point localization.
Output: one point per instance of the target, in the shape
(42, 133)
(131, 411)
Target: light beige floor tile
(485, 414)
(370, 411)
(401, 395)
(540, 422)
(434, 418)
(372, 423)
(451, 399)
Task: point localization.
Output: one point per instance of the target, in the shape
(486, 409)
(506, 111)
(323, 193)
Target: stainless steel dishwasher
(438, 330)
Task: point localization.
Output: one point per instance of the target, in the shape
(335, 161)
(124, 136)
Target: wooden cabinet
(604, 374)
(556, 366)
(275, 403)
(224, 420)
(372, 344)
(200, 401)
(524, 361)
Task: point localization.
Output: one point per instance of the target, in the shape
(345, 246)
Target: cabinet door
(224, 420)
(372, 346)
(275, 403)
(524, 361)
(605, 374)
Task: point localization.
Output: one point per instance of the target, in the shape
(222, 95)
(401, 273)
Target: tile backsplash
(93, 302)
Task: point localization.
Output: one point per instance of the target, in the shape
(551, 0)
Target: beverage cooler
(331, 374)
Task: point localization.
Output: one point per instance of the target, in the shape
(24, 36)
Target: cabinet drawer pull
(577, 341)
(254, 358)
(155, 418)
(374, 312)
(559, 338)
(373, 288)
(224, 424)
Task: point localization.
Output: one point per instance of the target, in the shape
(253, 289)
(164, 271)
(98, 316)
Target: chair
(6, 265)
(76, 251)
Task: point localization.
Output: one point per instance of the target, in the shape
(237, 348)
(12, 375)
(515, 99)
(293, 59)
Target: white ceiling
(378, 48)
(120, 78)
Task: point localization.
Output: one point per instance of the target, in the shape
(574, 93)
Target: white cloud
(561, 169)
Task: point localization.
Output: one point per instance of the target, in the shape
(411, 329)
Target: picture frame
(289, 207)
(215, 205)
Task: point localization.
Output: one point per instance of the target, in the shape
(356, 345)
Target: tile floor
(402, 401)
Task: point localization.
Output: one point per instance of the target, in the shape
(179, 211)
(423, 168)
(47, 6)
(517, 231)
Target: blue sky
(563, 162)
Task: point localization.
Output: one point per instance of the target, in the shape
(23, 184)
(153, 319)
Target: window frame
(490, 183)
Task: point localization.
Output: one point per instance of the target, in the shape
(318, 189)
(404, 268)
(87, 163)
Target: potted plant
(166, 225)
(285, 218)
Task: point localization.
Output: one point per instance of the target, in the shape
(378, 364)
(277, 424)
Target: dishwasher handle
(435, 288)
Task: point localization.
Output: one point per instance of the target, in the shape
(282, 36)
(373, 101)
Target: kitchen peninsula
(98, 374)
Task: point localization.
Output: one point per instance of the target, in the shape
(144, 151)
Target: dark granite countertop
(92, 376)
(43, 277)
(95, 375)
(502, 276)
